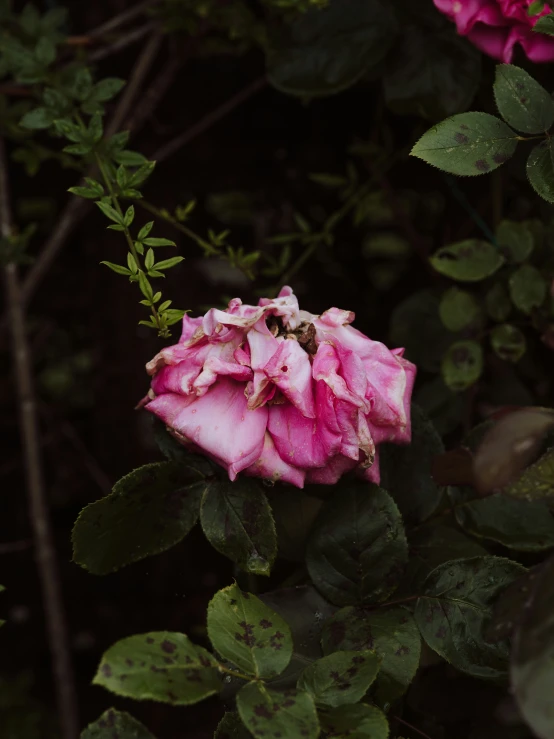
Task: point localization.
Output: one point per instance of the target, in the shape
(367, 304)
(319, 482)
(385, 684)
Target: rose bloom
(496, 26)
(279, 393)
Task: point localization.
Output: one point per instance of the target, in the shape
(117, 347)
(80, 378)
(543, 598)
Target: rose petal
(291, 371)
(270, 466)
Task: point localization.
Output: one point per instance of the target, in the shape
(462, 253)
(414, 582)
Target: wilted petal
(270, 466)
(332, 472)
(326, 367)
(298, 439)
(218, 422)
(291, 371)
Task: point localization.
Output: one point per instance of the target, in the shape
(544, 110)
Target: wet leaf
(237, 520)
(390, 632)
(521, 101)
(537, 481)
(467, 144)
(149, 511)
(455, 609)
(246, 632)
(291, 714)
(540, 170)
(340, 678)
(357, 549)
(162, 665)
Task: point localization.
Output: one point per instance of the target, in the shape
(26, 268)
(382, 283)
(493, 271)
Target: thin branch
(122, 42)
(209, 120)
(136, 82)
(413, 728)
(10, 547)
(153, 95)
(122, 18)
(38, 509)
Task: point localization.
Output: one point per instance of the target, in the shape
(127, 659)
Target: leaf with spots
(528, 288)
(231, 727)
(462, 365)
(540, 170)
(237, 520)
(325, 50)
(391, 633)
(356, 722)
(467, 144)
(246, 632)
(521, 101)
(508, 342)
(357, 549)
(290, 714)
(521, 525)
(406, 470)
(340, 678)
(162, 666)
(148, 511)
(305, 611)
(114, 724)
(455, 609)
(537, 481)
(471, 260)
(532, 668)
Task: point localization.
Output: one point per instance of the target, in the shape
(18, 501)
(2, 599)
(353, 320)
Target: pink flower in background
(496, 26)
(279, 393)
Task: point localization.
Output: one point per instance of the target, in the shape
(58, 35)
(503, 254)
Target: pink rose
(495, 26)
(279, 393)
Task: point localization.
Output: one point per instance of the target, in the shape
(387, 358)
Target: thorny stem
(38, 510)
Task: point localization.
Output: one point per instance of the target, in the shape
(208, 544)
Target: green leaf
(471, 260)
(82, 83)
(45, 51)
(137, 178)
(462, 365)
(498, 302)
(455, 609)
(149, 511)
(168, 263)
(152, 241)
(508, 342)
(132, 263)
(163, 666)
(237, 520)
(305, 611)
(106, 89)
(231, 727)
(340, 678)
(521, 101)
(144, 285)
(110, 212)
(406, 470)
(391, 633)
(517, 524)
(467, 144)
(532, 668)
(357, 722)
(246, 632)
(527, 288)
(291, 714)
(432, 74)
(37, 119)
(129, 216)
(129, 158)
(540, 170)
(145, 230)
(515, 241)
(357, 546)
(325, 50)
(537, 481)
(149, 260)
(114, 267)
(116, 723)
(77, 149)
(545, 25)
(458, 309)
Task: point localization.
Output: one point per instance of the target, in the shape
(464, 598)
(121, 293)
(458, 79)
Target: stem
(409, 726)
(176, 224)
(397, 602)
(233, 673)
(38, 510)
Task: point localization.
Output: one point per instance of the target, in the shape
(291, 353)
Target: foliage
(352, 609)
